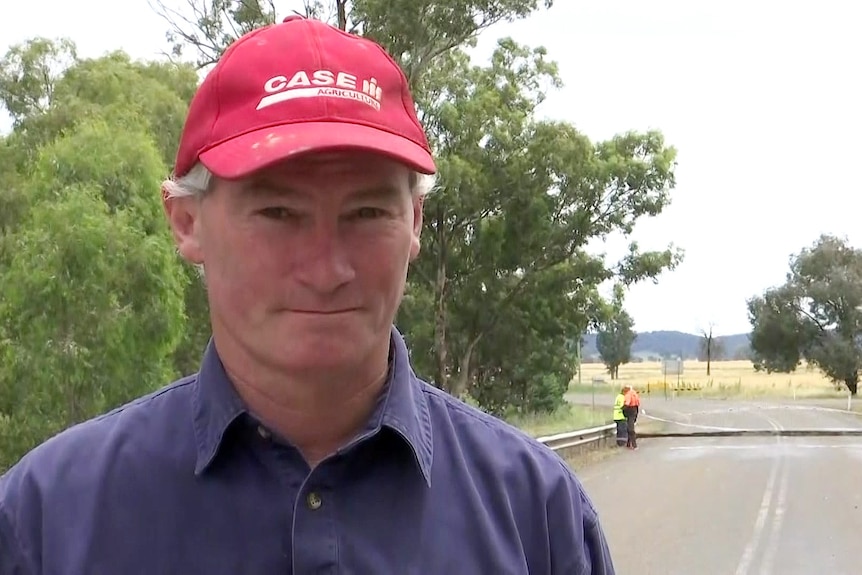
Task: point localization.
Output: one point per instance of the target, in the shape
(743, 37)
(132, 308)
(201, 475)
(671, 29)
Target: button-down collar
(403, 407)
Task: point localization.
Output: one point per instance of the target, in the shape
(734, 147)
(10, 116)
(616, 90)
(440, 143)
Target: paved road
(706, 415)
(735, 505)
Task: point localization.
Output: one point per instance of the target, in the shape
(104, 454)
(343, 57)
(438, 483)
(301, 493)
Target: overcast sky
(760, 97)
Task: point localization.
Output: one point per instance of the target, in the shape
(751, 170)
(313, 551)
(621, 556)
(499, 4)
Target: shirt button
(263, 432)
(313, 500)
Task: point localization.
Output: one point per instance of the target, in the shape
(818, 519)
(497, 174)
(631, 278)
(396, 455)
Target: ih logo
(321, 83)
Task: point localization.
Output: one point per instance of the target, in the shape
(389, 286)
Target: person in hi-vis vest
(619, 417)
(631, 407)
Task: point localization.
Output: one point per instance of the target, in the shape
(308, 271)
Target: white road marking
(759, 522)
(777, 519)
(763, 512)
(693, 425)
(777, 513)
(768, 407)
(765, 446)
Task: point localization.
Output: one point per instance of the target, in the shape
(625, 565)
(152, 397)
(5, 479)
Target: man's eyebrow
(266, 189)
(387, 192)
(262, 188)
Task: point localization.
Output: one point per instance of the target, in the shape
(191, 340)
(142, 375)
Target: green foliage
(13, 199)
(127, 95)
(417, 33)
(113, 123)
(122, 162)
(212, 25)
(616, 335)
(778, 333)
(28, 73)
(815, 316)
(96, 307)
(153, 96)
(91, 310)
(517, 203)
(414, 32)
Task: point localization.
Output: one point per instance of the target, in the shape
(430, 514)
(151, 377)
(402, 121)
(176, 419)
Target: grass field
(726, 379)
(567, 418)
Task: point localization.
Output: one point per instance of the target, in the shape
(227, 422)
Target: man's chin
(321, 360)
(315, 343)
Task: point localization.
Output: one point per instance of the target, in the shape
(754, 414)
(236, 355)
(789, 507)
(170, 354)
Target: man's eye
(277, 213)
(369, 213)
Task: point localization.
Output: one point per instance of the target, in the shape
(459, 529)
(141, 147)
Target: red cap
(296, 87)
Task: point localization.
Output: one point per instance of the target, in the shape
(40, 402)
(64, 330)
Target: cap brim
(248, 153)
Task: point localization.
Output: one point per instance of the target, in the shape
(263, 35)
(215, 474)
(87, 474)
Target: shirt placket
(315, 545)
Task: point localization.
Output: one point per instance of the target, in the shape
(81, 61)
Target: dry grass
(585, 459)
(566, 418)
(727, 379)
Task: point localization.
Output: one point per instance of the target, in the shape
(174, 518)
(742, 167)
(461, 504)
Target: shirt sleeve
(578, 544)
(11, 556)
(599, 553)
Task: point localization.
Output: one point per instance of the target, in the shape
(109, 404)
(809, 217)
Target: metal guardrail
(582, 437)
(578, 437)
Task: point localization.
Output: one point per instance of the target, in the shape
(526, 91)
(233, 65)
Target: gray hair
(197, 182)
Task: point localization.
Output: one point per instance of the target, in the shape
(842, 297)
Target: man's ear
(183, 215)
(418, 212)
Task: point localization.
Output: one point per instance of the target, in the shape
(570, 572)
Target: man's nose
(326, 265)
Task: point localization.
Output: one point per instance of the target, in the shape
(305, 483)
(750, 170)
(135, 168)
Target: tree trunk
(440, 344)
(707, 342)
(341, 8)
(459, 384)
(852, 383)
(709, 353)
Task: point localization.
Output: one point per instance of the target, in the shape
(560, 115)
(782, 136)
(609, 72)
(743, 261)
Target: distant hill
(655, 345)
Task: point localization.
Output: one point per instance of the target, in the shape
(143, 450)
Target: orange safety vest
(632, 398)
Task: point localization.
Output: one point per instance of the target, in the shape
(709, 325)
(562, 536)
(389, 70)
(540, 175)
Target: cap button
(293, 17)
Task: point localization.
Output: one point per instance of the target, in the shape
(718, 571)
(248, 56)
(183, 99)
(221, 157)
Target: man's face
(305, 262)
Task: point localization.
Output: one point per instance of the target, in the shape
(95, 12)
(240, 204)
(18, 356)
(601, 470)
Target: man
(305, 444)
(631, 407)
(619, 416)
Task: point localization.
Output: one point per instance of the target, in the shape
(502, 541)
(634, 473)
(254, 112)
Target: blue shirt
(184, 481)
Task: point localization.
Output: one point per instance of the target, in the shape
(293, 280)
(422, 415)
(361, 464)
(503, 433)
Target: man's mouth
(322, 311)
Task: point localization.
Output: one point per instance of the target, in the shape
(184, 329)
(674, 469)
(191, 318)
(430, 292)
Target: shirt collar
(403, 407)
(215, 404)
